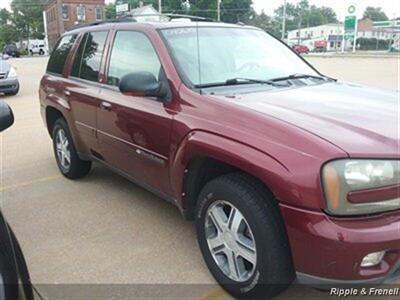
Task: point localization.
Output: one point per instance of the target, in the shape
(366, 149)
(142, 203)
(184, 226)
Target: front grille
(6, 87)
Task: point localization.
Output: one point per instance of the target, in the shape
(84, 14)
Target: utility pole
(159, 6)
(46, 35)
(284, 20)
(355, 37)
(60, 17)
(218, 10)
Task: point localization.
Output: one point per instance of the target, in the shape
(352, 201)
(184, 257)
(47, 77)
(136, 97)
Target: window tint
(132, 52)
(92, 55)
(76, 66)
(59, 56)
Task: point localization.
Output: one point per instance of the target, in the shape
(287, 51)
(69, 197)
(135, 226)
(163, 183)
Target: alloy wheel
(62, 149)
(230, 241)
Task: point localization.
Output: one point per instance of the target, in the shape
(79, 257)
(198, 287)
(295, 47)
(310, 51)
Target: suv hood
(362, 121)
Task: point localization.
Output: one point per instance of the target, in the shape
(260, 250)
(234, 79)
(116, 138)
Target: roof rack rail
(132, 18)
(119, 20)
(173, 16)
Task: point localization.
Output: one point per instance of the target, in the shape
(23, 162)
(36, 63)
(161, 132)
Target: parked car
(300, 49)
(9, 84)
(320, 46)
(39, 49)
(14, 276)
(11, 50)
(287, 173)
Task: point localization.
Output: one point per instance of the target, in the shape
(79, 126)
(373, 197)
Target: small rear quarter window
(60, 54)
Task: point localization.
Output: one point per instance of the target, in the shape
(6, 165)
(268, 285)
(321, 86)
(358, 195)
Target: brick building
(73, 12)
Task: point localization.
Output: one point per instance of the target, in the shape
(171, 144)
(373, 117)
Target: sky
(390, 7)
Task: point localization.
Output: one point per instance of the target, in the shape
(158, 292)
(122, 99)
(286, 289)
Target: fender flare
(258, 164)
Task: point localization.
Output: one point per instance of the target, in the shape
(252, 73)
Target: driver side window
(132, 52)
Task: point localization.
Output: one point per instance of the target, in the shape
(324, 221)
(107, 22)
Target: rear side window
(90, 60)
(132, 52)
(59, 56)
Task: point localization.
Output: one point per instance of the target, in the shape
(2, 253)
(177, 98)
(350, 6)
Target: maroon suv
(288, 174)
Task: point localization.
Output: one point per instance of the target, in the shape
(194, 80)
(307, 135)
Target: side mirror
(6, 116)
(143, 84)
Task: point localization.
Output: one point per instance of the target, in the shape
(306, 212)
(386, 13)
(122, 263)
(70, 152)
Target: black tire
(77, 168)
(273, 271)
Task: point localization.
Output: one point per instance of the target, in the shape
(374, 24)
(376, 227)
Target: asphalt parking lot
(103, 229)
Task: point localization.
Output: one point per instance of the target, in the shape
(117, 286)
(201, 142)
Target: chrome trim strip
(134, 145)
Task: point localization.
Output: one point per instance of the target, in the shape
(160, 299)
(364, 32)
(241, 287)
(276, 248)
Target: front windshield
(211, 55)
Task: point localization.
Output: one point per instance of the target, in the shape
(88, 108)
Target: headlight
(361, 186)
(12, 73)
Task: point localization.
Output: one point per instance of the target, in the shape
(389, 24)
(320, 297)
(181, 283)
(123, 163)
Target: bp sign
(351, 10)
(350, 23)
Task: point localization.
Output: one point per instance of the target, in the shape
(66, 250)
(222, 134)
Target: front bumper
(393, 277)
(9, 85)
(329, 251)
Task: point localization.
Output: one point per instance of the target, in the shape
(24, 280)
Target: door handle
(105, 106)
(49, 89)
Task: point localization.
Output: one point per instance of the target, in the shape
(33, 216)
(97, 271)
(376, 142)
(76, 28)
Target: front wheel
(242, 237)
(68, 161)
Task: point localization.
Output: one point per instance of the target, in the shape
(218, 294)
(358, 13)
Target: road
(103, 229)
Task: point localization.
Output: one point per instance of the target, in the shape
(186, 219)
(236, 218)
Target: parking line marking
(213, 294)
(26, 183)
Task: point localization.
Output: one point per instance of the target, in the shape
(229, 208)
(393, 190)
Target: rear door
(134, 131)
(82, 87)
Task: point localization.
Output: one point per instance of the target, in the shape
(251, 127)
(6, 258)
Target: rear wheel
(242, 237)
(68, 161)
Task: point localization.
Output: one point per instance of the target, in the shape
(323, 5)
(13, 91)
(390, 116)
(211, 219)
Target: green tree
(265, 22)
(4, 16)
(232, 11)
(110, 11)
(329, 15)
(27, 17)
(375, 14)
(303, 15)
(203, 8)
(174, 6)
(8, 35)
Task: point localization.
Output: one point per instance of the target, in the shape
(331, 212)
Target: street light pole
(284, 20)
(219, 10)
(159, 6)
(355, 37)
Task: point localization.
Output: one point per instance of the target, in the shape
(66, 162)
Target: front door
(134, 131)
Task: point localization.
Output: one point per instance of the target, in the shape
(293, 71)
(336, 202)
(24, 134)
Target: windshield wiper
(238, 81)
(300, 76)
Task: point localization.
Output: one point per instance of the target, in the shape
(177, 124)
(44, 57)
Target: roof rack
(132, 18)
(119, 20)
(174, 16)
